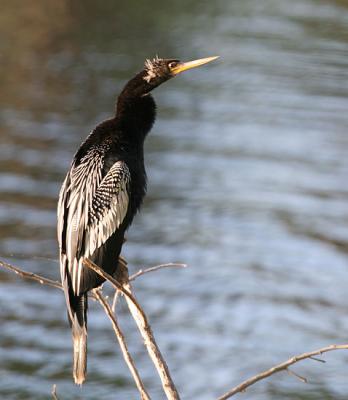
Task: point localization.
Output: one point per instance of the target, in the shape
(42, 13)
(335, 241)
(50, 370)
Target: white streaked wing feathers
(96, 207)
(109, 206)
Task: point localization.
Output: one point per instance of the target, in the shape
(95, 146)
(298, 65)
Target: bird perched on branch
(103, 191)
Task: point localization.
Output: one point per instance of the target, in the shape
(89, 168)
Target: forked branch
(122, 342)
(282, 367)
(145, 330)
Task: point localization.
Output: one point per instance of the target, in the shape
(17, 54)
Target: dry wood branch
(143, 272)
(301, 378)
(145, 330)
(155, 268)
(31, 276)
(152, 348)
(122, 342)
(34, 277)
(114, 300)
(90, 264)
(318, 359)
(54, 392)
(281, 367)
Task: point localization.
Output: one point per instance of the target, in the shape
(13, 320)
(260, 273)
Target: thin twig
(296, 375)
(31, 276)
(90, 264)
(318, 359)
(34, 277)
(155, 268)
(123, 345)
(143, 272)
(54, 392)
(280, 367)
(152, 348)
(114, 300)
(145, 330)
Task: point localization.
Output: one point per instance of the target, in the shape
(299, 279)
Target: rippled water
(247, 168)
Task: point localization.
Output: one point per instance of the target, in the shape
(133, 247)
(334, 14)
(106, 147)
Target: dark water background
(247, 169)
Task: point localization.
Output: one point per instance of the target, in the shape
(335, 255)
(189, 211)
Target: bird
(103, 191)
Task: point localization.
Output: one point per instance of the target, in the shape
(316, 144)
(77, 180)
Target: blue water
(247, 168)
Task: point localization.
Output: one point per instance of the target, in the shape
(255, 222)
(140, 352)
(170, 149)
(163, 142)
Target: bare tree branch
(296, 375)
(54, 392)
(142, 272)
(34, 277)
(145, 330)
(155, 268)
(123, 345)
(31, 276)
(318, 359)
(281, 367)
(114, 300)
(152, 348)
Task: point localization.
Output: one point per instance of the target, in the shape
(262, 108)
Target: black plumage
(102, 192)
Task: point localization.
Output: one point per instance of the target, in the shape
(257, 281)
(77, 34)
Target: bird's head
(155, 72)
(159, 70)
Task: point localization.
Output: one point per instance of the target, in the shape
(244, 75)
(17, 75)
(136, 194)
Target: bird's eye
(172, 64)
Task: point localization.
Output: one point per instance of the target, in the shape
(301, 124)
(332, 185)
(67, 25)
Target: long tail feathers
(80, 356)
(79, 335)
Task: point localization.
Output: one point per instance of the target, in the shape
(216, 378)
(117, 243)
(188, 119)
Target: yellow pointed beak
(184, 66)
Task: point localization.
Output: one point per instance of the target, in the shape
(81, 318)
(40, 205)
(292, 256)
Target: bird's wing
(90, 209)
(109, 206)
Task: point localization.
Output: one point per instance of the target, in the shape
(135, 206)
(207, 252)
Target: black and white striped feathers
(90, 209)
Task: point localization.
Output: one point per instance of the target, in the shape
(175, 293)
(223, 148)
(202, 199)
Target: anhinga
(102, 192)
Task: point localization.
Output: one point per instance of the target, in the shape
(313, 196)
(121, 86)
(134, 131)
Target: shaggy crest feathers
(151, 67)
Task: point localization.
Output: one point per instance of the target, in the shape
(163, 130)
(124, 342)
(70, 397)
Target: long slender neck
(137, 115)
(136, 108)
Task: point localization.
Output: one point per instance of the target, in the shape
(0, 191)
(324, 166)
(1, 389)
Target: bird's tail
(79, 336)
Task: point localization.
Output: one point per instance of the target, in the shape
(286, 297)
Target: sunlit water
(247, 168)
